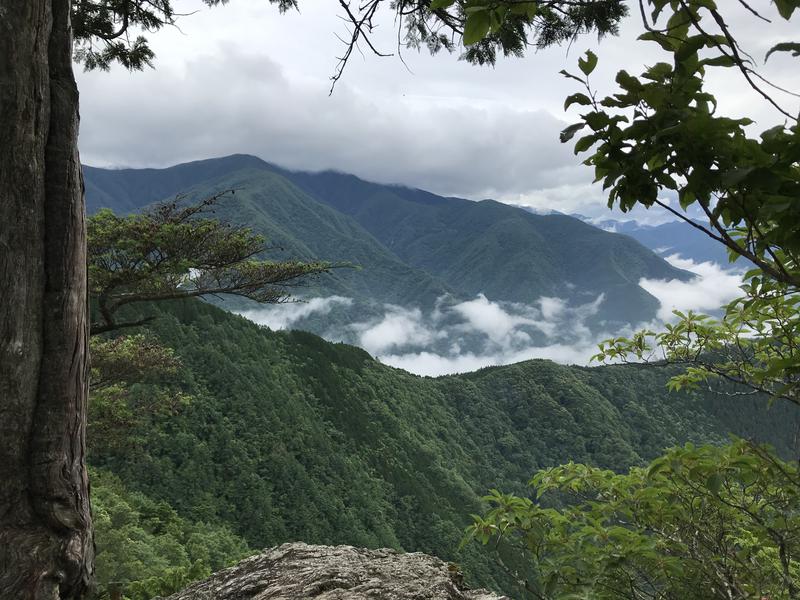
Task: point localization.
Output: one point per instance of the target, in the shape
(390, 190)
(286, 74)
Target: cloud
(283, 316)
(236, 99)
(398, 328)
(712, 287)
(451, 338)
(577, 196)
(496, 323)
(479, 333)
(434, 365)
(552, 308)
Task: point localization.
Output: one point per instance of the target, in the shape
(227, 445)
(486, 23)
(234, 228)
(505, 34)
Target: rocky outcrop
(299, 571)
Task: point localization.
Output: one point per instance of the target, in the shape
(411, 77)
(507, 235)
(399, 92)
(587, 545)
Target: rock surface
(294, 571)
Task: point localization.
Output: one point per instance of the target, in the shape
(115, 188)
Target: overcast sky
(243, 79)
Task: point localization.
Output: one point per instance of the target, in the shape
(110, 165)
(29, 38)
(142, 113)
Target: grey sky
(242, 78)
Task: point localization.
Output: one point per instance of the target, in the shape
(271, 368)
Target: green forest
(288, 437)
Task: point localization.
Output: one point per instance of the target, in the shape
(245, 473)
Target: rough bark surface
(298, 571)
(46, 547)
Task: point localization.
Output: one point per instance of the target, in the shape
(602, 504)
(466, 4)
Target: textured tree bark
(46, 545)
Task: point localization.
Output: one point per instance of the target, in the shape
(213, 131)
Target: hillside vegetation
(289, 437)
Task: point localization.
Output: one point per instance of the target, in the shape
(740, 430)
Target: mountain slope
(128, 190)
(295, 225)
(500, 250)
(446, 244)
(302, 228)
(290, 437)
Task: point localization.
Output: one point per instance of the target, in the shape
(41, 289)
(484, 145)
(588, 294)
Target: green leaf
(793, 47)
(689, 47)
(787, 7)
(667, 43)
(552, 582)
(658, 6)
(586, 142)
(578, 98)
(568, 133)
(477, 26)
(527, 9)
(714, 483)
(719, 61)
(588, 64)
(628, 82)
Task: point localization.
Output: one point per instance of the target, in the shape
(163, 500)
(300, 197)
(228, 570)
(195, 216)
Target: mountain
(289, 437)
(499, 250)
(412, 246)
(301, 228)
(128, 190)
(295, 225)
(675, 237)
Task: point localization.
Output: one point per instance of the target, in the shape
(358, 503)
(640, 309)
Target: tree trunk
(46, 545)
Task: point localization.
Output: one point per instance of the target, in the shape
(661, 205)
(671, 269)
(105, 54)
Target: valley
(432, 284)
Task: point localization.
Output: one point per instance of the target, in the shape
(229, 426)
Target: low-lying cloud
(434, 365)
(284, 316)
(480, 332)
(499, 325)
(712, 287)
(460, 337)
(454, 337)
(398, 328)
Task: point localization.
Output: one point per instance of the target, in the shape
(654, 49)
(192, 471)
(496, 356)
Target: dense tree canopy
(145, 549)
(698, 523)
(288, 436)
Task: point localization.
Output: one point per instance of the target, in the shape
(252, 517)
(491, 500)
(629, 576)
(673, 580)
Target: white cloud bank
(712, 287)
(399, 327)
(477, 333)
(434, 365)
(505, 333)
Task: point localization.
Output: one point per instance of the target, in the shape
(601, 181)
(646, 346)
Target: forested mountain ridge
(298, 227)
(466, 242)
(412, 245)
(289, 437)
(128, 190)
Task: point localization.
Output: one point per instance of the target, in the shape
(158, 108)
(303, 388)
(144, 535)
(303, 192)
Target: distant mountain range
(675, 237)
(414, 248)
(666, 239)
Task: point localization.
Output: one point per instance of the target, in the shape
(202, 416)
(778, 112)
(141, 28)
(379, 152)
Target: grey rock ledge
(298, 571)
